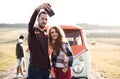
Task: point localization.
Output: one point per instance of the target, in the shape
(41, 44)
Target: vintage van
(77, 39)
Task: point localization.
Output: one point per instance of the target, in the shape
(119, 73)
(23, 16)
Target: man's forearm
(32, 20)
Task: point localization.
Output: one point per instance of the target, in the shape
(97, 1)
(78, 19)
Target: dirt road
(96, 75)
(11, 74)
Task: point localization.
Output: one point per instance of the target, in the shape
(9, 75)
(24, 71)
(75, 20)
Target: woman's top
(64, 59)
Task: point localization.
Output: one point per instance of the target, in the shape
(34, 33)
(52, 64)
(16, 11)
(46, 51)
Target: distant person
(39, 67)
(20, 57)
(61, 57)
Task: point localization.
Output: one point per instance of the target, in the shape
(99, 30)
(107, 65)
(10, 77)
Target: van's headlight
(78, 69)
(81, 58)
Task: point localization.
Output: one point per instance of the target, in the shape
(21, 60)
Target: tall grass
(105, 56)
(7, 47)
(7, 56)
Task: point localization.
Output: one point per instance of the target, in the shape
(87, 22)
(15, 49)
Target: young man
(39, 67)
(20, 56)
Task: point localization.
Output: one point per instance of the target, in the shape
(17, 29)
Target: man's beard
(41, 26)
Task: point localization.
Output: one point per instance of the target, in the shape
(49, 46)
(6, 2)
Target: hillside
(91, 30)
(101, 31)
(18, 25)
(99, 27)
(84, 25)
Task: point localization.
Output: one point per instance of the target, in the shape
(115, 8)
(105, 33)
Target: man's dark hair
(43, 12)
(21, 37)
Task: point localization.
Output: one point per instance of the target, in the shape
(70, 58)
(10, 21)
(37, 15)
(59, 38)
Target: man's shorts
(19, 62)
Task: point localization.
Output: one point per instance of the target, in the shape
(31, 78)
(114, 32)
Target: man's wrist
(37, 9)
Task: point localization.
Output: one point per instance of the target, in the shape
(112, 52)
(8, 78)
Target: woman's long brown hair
(58, 45)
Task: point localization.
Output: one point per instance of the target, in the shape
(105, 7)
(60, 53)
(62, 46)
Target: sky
(98, 12)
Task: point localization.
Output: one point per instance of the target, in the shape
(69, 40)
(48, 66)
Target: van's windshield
(73, 37)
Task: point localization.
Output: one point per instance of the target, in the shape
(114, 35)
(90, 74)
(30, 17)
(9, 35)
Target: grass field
(105, 54)
(8, 40)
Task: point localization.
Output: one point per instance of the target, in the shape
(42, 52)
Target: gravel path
(11, 74)
(96, 75)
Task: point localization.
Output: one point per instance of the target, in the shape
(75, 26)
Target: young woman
(61, 57)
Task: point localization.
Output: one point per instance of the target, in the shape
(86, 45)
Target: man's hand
(44, 6)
